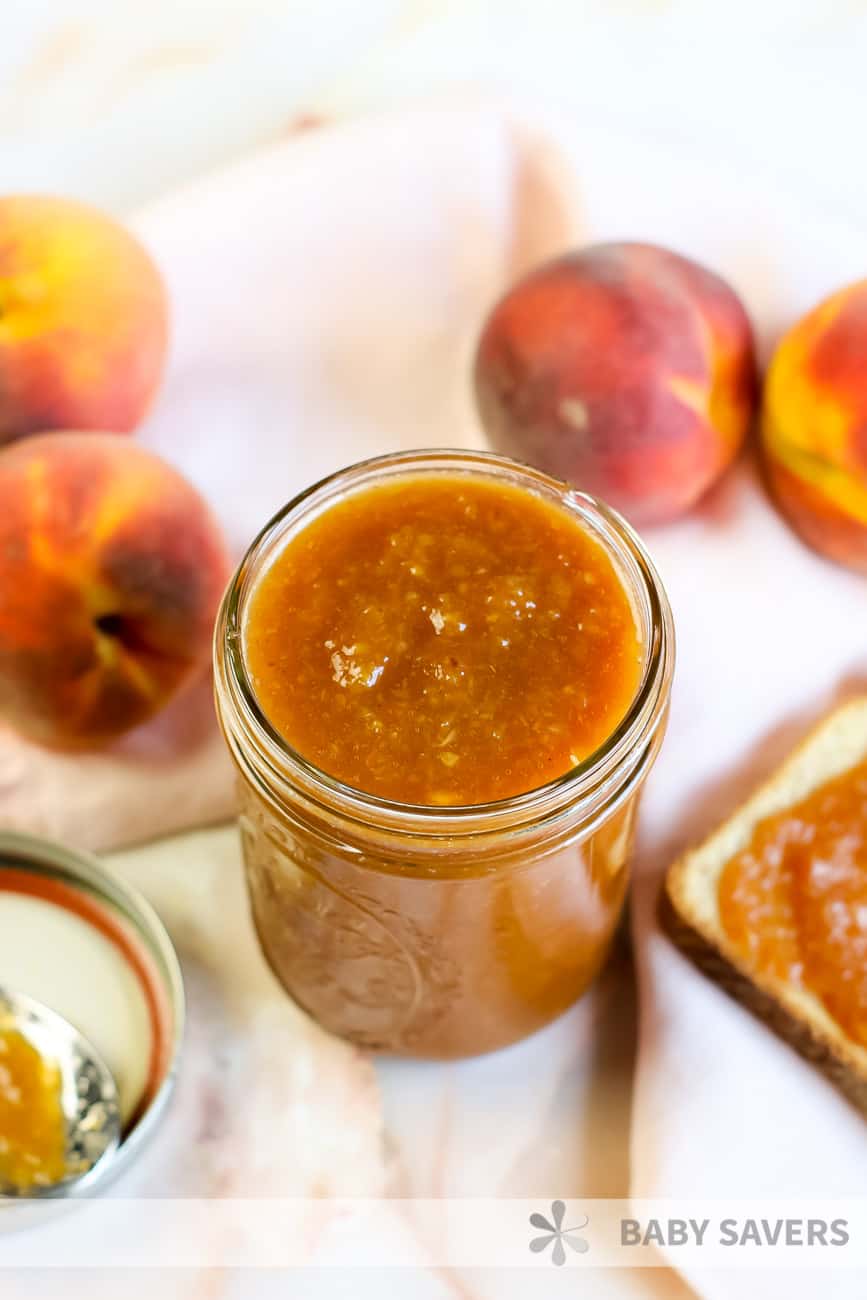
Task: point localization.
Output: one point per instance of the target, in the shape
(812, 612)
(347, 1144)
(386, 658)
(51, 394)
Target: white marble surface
(119, 100)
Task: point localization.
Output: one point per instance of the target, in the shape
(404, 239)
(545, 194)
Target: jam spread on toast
(794, 900)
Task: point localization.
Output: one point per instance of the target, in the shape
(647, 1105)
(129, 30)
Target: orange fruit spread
(443, 640)
(32, 1124)
(794, 901)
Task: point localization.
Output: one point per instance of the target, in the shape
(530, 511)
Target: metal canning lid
(77, 938)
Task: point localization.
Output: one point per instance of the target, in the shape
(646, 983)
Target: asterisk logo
(556, 1233)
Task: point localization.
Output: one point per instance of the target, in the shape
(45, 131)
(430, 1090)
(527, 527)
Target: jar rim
(283, 762)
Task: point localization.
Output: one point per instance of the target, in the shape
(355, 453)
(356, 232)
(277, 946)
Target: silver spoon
(88, 1093)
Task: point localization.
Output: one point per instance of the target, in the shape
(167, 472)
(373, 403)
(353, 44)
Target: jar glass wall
(441, 931)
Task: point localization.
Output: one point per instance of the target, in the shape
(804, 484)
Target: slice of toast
(690, 908)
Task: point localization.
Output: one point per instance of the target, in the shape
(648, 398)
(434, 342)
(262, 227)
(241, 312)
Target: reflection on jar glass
(439, 931)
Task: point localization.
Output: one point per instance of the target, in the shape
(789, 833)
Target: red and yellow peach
(626, 369)
(111, 570)
(83, 320)
(814, 426)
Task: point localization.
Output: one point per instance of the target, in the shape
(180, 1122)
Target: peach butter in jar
(443, 678)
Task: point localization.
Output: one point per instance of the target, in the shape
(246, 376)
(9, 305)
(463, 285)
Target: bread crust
(689, 908)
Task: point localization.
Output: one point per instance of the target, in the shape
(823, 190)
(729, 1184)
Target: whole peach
(111, 569)
(625, 368)
(814, 426)
(83, 320)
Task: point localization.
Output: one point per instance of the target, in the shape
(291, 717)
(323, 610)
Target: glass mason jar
(443, 931)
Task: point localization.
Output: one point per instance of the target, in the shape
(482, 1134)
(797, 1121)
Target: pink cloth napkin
(327, 295)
